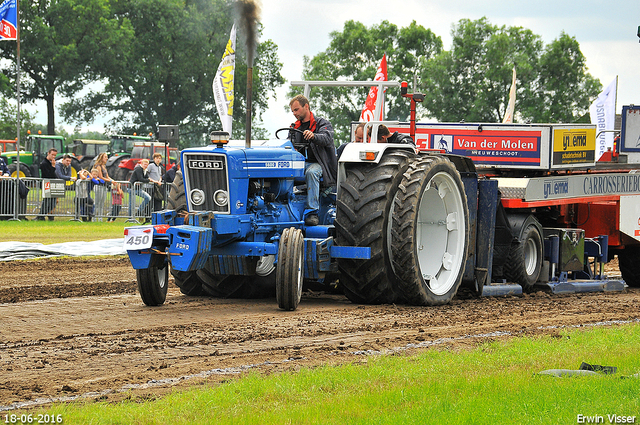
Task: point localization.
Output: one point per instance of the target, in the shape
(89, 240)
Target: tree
(354, 54)
(166, 75)
(8, 120)
(61, 41)
(566, 89)
(471, 81)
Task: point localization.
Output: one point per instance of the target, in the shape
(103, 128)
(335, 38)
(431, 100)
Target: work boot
(312, 220)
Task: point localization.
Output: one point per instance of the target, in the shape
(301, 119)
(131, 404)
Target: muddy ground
(75, 329)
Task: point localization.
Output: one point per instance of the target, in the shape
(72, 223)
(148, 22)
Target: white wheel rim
(300, 274)
(530, 256)
(440, 233)
(162, 277)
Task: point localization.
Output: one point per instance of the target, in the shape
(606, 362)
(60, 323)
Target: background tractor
(34, 151)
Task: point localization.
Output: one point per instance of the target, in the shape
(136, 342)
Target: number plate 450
(139, 237)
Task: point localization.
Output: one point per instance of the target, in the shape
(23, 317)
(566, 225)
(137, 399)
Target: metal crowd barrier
(80, 201)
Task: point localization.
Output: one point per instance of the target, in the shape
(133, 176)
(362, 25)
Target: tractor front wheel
(152, 284)
(290, 269)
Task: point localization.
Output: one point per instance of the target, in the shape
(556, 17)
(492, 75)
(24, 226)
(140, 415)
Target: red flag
(370, 104)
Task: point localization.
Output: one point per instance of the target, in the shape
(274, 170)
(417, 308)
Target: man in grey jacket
(315, 136)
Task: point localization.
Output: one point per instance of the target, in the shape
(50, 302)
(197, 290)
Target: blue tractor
(395, 229)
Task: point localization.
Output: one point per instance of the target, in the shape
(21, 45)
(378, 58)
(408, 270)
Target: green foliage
(165, 75)
(495, 383)
(9, 120)
(471, 81)
(61, 42)
(354, 55)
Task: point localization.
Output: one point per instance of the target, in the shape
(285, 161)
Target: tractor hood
(265, 159)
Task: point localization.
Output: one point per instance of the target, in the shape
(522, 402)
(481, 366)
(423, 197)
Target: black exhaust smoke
(249, 16)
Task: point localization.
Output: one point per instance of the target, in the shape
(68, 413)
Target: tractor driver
(320, 153)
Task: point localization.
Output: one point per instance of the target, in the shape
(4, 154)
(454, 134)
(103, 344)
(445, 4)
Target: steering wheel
(303, 144)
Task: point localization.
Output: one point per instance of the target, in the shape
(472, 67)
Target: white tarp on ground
(23, 250)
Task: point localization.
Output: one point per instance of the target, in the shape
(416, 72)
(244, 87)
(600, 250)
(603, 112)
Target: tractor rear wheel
(430, 233)
(524, 262)
(364, 209)
(24, 170)
(188, 282)
(290, 269)
(629, 265)
(177, 200)
(152, 284)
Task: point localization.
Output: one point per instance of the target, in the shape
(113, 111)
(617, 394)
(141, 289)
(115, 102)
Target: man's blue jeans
(312, 174)
(138, 190)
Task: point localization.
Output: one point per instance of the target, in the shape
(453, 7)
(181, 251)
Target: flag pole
(16, 189)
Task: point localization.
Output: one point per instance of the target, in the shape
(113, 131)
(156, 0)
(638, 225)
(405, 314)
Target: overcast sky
(605, 30)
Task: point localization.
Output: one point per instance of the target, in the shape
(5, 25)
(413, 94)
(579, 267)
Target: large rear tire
(524, 262)
(177, 200)
(629, 263)
(188, 282)
(24, 170)
(290, 269)
(430, 232)
(152, 284)
(364, 208)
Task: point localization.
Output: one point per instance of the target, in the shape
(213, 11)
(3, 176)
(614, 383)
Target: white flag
(508, 115)
(223, 83)
(603, 114)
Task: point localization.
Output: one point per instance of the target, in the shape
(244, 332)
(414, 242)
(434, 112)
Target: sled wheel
(430, 234)
(524, 262)
(628, 261)
(152, 284)
(290, 269)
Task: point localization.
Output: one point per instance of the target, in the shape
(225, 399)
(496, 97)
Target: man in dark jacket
(170, 175)
(48, 171)
(319, 151)
(385, 136)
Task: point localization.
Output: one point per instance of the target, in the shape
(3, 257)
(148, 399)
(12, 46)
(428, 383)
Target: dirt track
(78, 329)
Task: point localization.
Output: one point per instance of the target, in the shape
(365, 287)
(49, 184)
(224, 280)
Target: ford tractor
(236, 227)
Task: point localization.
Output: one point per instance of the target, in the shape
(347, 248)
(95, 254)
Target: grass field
(60, 230)
(495, 383)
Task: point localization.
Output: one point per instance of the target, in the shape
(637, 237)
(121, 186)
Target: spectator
(100, 190)
(385, 136)
(138, 179)
(116, 200)
(84, 203)
(156, 171)
(48, 171)
(170, 175)
(359, 138)
(63, 169)
(316, 144)
(4, 170)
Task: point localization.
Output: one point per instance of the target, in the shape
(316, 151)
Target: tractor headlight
(197, 197)
(221, 198)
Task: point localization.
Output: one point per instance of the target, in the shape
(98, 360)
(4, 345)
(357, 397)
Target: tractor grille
(207, 172)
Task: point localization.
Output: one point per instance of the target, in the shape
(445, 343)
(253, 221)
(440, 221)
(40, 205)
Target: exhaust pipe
(249, 13)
